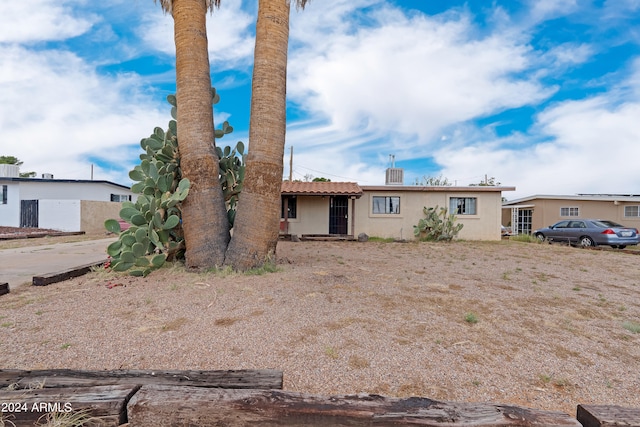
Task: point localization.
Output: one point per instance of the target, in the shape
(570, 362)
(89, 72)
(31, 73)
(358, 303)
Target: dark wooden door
(338, 215)
(29, 213)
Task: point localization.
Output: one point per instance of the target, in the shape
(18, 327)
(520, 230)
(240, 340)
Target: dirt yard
(544, 326)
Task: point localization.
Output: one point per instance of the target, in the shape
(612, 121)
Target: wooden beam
(608, 416)
(47, 279)
(28, 406)
(170, 406)
(255, 379)
(37, 235)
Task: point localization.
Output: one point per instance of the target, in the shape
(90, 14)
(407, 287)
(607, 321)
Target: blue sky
(543, 95)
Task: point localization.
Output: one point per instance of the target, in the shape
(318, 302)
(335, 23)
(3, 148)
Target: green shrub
(632, 327)
(471, 318)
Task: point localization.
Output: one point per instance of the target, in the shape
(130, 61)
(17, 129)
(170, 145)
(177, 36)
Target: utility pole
(291, 165)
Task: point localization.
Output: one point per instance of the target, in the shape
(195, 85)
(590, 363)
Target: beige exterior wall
(485, 225)
(312, 216)
(93, 214)
(547, 211)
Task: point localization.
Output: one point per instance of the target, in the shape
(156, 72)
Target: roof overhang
(518, 206)
(319, 188)
(439, 188)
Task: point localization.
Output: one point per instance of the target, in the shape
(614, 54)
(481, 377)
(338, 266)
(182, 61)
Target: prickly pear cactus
(437, 225)
(155, 235)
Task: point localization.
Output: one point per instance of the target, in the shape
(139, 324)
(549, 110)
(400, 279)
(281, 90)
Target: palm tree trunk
(255, 232)
(205, 224)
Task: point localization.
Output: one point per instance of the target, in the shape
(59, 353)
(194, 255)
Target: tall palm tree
(204, 218)
(255, 232)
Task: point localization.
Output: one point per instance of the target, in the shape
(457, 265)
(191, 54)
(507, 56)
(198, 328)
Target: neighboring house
(60, 204)
(388, 211)
(530, 213)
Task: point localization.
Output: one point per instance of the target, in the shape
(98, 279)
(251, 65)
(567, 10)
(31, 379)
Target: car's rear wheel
(540, 236)
(622, 246)
(587, 241)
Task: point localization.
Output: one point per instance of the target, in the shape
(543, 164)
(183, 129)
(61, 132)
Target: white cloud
(394, 86)
(57, 114)
(588, 146)
(28, 21)
(541, 10)
(229, 34)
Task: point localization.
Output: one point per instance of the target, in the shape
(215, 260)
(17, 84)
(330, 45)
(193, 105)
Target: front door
(525, 217)
(29, 213)
(338, 214)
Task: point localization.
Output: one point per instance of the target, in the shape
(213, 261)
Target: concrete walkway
(19, 265)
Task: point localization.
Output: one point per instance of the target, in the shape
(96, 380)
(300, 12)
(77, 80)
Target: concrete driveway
(19, 265)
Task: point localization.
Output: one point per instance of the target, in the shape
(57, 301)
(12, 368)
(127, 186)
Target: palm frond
(167, 5)
(300, 4)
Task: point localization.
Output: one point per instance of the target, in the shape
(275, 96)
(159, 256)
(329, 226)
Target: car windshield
(606, 224)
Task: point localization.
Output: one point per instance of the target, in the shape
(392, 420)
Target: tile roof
(321, 188)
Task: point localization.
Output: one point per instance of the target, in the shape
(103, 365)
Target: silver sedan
(590, 232)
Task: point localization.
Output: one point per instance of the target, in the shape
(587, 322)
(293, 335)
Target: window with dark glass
(386, 205)
(120, 198)
(5, 191)
(291, 206)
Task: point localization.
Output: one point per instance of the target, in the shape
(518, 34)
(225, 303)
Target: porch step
(327, 237)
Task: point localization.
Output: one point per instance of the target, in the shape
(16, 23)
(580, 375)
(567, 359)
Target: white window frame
(469, 204)
(569, 212)
(120, 198)
(637, 208)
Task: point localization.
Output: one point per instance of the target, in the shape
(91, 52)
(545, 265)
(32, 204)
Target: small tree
(437, 225)
(487, 182)
(432, 181)
(10, 160)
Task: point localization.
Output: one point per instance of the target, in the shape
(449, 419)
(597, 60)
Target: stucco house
(59, 204)
(313, 208)
(530, 213)
(387, 211)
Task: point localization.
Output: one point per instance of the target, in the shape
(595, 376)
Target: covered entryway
(318, 209)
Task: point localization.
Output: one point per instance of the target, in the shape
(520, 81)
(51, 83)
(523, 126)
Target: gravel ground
(543, 326)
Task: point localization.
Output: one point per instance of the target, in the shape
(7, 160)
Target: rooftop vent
(394, 175)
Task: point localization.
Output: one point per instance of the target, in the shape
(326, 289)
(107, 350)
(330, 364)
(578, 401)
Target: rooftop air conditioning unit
(394, 176)
(9, 171)
(47, 176)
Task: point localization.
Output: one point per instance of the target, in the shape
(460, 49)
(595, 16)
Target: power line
(325, 173)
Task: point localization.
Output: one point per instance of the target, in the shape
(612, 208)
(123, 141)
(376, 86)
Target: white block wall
(62, 215)
(10, 213)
